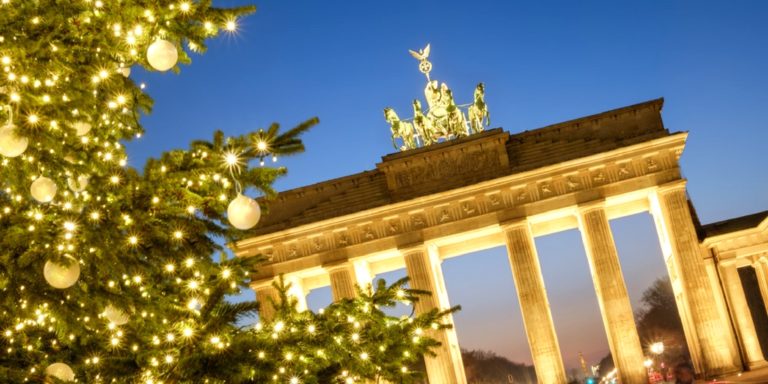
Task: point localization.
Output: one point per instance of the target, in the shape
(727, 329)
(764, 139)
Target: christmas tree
(109, 274)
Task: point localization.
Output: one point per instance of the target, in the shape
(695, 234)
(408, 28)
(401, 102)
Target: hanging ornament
(243, 212)
(125, 71)
(162, 55)
(43, 189)
(11, 144)
(81, 128)
(115, 315)
(61, 276)
(60, 371)
(77, 184)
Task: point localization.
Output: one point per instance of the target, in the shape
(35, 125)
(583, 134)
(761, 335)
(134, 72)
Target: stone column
(425, 274)
(712, 330)
(742, 316)
(265, 295)
(612, 296)
(363, 275)
(534, 305)
(342, 278)
(296, 291)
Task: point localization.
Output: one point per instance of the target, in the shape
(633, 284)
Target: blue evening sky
(542, 62)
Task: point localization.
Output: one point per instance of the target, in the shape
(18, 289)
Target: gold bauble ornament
(77, 184)
(43, 189)
(115, 315)
(81, 127)
(11, 143)
(60, 371)
(162, 55)
(243, 212)
(61, 276)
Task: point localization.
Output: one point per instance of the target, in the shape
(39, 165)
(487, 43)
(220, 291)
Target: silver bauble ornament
(162, 55)
(61, 276)
(11, 143)
(115, 315)
(77, 184)
(60, 371)
(43, 189)
(81, 127)
(243, 212)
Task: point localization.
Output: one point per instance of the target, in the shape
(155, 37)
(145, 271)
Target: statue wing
(417, 55)
(426, 52)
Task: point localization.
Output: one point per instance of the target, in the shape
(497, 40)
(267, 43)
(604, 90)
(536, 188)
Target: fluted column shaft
(711, 327)
(265, 295)
(612, 296)
(425, 274)
(342, 281)
(534, 305)
(742, 315)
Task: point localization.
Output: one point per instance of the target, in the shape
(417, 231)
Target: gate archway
(493, 188)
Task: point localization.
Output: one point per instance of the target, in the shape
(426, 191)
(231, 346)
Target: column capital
(337, 265)
(263, 283)
(412, 248)
(506, 225)
(588, 206)
(672, 186)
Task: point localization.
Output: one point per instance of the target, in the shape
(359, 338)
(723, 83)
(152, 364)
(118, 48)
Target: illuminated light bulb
(115, 315)
(162, 55)
(61, 276)
(243, 212)
(230, 26)
(187, 332)
(77, 184)
(33, 119)
(261, 146)
(133, 240)
(178, 235)
(11, 143)
(81, 128)
(43, 189)
(60, 371)
(184, 7)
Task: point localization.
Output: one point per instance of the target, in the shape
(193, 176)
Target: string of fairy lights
(65, 106)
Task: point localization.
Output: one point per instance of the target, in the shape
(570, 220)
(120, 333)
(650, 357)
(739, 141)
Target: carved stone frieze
(466, 206)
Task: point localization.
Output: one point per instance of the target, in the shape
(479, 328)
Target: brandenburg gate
(487, 188)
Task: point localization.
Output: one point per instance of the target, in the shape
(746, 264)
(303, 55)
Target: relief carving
(495, 199)
(447, 167)
(444, 216)
(418, 220)
(623, 171)
(468, 208)
(651, 164)
(343, 239)
(546, 189)
(393, 227)
(599, 177)
(572, 183)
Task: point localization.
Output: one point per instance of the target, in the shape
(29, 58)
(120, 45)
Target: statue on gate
(444, 119)
(400, 129)
(479, 117)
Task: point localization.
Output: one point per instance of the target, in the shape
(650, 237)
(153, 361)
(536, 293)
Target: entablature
(546, 196)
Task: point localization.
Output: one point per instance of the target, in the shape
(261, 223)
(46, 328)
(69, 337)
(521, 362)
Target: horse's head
(390, 115)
